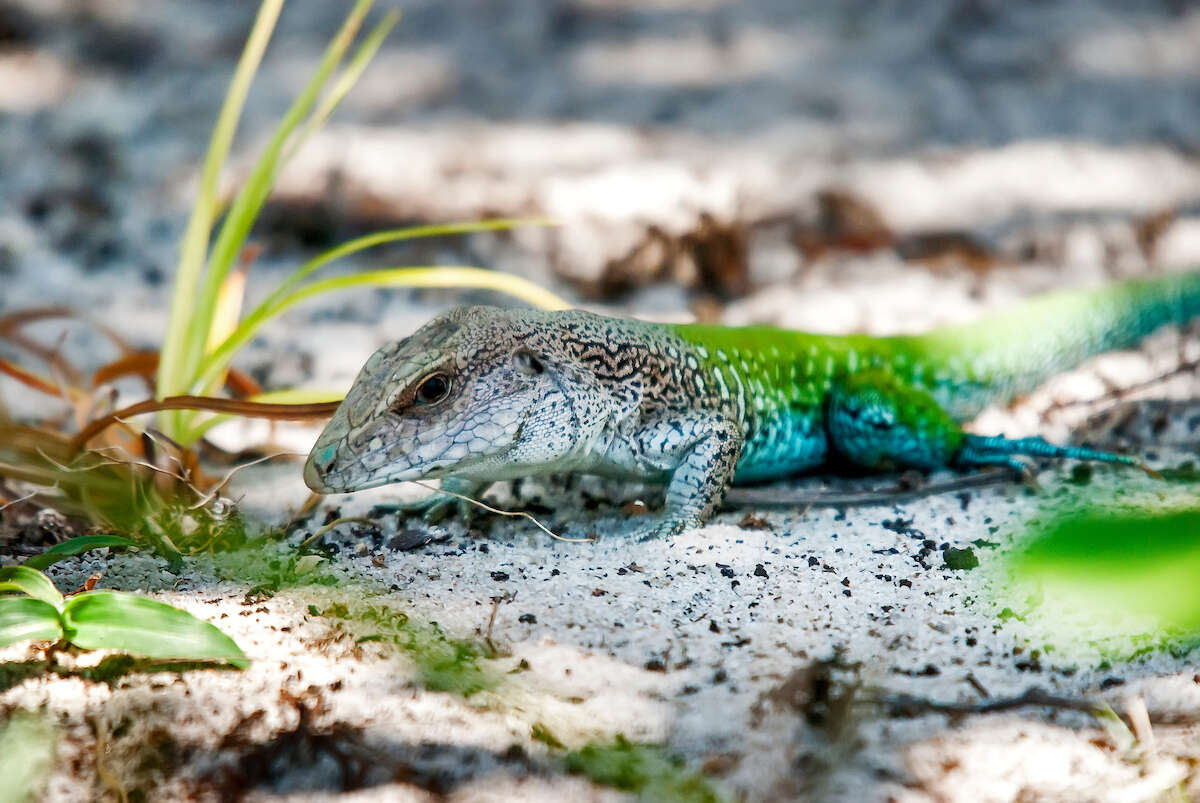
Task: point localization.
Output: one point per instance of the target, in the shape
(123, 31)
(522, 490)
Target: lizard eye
(526, 362)
(432, 389)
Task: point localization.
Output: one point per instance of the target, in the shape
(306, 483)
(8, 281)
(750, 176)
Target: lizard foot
(439, 506)
(666, 528)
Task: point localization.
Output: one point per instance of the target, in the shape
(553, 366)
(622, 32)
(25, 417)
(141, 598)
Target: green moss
(646, 770)
(442, 663)
(269, 568)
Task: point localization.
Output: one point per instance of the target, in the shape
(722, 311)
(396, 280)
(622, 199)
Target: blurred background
(834, 166)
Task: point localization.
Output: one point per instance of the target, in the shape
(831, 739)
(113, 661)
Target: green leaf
(214, 365)
(27, 619)
(1118, 562)
(27, 743)
(143, 626)
(77, 546)
(195, 240)
(253, 194)
(32, 582)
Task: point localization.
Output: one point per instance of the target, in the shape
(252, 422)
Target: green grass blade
(344, 82)
(286, 396)
(143, 626)
(431, 277)
(214, 365)
(249, 200)
(77, 546)
(195, 240)
(25, 580)
(414, 277)
(28, 619)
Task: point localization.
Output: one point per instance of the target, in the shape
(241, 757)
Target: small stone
(408, 540)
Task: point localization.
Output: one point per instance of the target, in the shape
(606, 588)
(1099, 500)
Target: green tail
(1013, 351)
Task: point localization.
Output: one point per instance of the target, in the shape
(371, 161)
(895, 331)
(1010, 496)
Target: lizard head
(477, 394)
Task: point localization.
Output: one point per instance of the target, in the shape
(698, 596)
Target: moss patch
(443, 663)
(646, 770)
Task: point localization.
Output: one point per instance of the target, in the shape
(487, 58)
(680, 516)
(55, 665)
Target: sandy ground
(822, 166)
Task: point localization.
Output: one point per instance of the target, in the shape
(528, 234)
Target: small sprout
(96, 620)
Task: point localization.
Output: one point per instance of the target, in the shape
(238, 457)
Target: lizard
(482, 394)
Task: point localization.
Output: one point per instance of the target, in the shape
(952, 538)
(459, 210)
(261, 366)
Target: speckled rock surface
(787, 653)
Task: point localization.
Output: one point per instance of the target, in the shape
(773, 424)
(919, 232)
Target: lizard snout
(317, 466)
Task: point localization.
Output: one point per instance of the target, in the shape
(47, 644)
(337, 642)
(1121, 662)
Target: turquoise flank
(778, 382)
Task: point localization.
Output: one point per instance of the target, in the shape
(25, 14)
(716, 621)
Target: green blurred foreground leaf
(1120, 563)
(25, 580)
(143, 626)
(111, 620)
(77, 546)
(27, 619)
(26, 750)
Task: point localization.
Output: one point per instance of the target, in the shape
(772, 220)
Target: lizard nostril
(324, 459)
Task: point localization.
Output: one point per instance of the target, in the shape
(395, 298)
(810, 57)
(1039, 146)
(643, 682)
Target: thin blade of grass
(32, 380)
(286, 412)
(432, 277)
(417, 277)
(289, 396)
(228, 308)
(344, 82)
(172, 371)
(13, 321)
(249, 200)
(392, 236)
(144, 364)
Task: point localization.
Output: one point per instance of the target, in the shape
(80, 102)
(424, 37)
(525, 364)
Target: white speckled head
(474, 394)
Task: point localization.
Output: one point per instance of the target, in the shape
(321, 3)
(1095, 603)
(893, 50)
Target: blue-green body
(785, 386)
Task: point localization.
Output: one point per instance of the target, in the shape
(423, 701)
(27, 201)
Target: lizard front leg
(704, 468)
